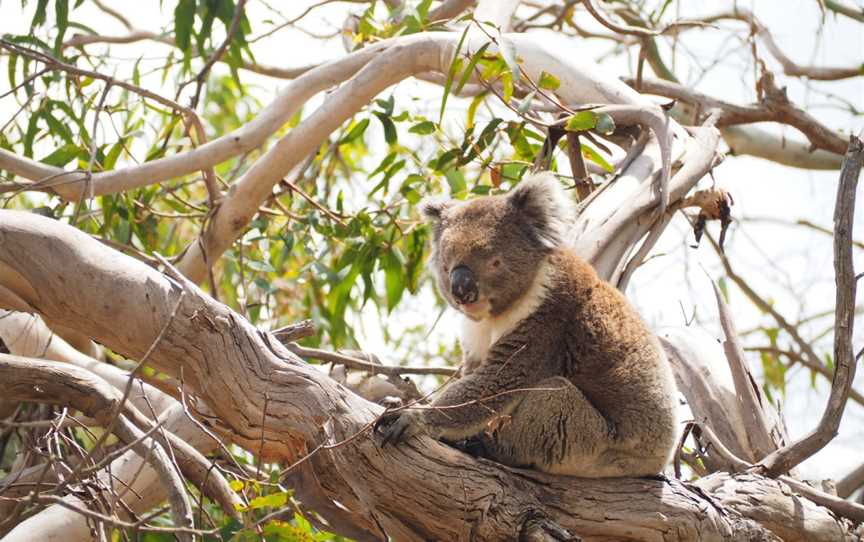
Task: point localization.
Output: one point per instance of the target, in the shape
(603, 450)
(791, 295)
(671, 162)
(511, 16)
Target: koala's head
(487, 251)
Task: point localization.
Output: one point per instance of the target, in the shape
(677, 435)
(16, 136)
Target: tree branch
(33, 380)
(774, 108)
(581, 82)
(790, 67)
(758, 431)
(241, 140)
(265, 399)
(844, 357)
(850, 483)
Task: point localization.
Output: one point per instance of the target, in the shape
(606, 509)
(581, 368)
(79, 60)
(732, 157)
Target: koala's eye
(496, 263)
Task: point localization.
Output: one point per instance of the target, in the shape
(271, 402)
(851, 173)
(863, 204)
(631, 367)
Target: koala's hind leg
(556, 429)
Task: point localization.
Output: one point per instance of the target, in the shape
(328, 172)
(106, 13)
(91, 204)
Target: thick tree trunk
(265, 399)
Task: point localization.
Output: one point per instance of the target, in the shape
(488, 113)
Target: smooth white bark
(754, 141)
(582, 82)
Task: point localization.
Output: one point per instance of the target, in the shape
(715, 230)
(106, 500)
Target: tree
(162, 381)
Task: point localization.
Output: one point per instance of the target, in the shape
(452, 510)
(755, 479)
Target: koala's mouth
(477, 310)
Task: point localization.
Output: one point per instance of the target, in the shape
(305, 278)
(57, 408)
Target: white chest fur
(478, 336)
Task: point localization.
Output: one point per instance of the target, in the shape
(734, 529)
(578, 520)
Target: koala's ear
(433, 208)
(545, 207)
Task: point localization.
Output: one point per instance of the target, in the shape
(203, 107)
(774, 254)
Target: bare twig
(790, 67)
(113, 13)
(635, 30)
(217, 55)
(805, 347)
(181, 532)
(189, 114)
(851, 12)
(775, 107)
(44, 381)
(294, 332)
(799, 222)
(844, 372)
(361, 365)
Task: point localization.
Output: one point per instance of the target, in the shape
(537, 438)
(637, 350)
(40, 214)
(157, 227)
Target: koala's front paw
(395, 427)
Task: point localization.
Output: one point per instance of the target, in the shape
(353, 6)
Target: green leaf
(393, 278)
(773, 371)
(470, 69)
(385, 163)
(454, 68)
(507, 83)
(423, 9)
(113, 155)
(605, 124)
(184, 17)
(56, 127)
(386, 105)
(472, 109)
(445, 158)
(548, 81)
(390, 135)
(62, 14)
(410, 193)
(581, 121)
(40, 14)
(589, 120)
(456, 181)
(30, 135)
(274, 500)
(423, 128)
(526, 102)
(236, 485)
(355, 132)
(724, 289)
(262, 266)
(11, 67)
(61, 156)
(591, 154)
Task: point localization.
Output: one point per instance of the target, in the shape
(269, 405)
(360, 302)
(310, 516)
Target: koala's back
(586, 332)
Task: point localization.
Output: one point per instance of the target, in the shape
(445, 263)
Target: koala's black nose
(463, 286)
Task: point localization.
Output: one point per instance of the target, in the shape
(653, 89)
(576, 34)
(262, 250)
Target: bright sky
(789, 265)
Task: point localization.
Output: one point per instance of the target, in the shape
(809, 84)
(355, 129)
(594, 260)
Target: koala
(562, 375)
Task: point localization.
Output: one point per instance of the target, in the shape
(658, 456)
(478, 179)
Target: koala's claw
(395, 427)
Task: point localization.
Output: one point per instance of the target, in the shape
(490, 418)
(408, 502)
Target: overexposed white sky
(790, 266)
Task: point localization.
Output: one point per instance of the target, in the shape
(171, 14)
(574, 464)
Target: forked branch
(844, 312)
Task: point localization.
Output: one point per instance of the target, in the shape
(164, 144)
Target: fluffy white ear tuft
(548, 209)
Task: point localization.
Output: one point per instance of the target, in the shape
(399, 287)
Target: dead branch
(28, 379)
(775, 107)
(790, 67)
(700, 373)
(635, 30)
(844, 370)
